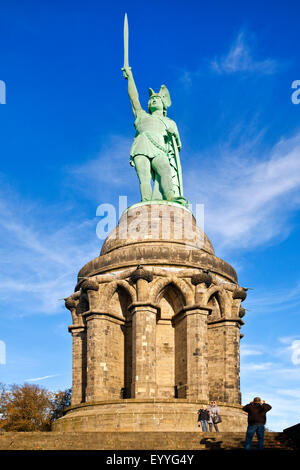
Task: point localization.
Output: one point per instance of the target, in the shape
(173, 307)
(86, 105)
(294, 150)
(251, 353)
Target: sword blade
(179, 171)
(126, 40)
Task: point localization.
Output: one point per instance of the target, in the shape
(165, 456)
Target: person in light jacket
(214, 414)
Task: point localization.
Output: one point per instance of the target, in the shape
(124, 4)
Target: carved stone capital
(70, 303)
(195, 309)
(89, 285)
(239, 293)
(103, 314)
(201, 278)
(141, 305)
(141, 273)
(76, 329)
(229, 321)
(242, 312)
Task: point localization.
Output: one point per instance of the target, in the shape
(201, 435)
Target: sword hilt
(125, 71)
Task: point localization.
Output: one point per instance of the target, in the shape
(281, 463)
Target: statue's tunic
(151, 137)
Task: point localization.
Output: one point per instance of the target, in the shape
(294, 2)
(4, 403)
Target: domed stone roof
(163, 235)
(164, 224)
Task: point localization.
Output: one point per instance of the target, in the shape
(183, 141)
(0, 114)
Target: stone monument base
(156, 320)
(136, 415)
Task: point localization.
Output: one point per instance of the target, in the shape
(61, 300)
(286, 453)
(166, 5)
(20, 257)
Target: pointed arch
(171, 295)
(216, 293)
(223, 298)
(159, 285)
(113, 286)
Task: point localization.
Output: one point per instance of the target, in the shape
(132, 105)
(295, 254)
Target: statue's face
(155, 103)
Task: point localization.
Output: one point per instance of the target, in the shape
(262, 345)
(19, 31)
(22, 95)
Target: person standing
(257, 410)
(203, 417)
(214, 416)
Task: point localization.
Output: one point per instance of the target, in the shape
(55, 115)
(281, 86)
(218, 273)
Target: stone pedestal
(156, 329)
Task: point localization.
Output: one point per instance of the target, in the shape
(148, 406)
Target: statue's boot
(170, 195)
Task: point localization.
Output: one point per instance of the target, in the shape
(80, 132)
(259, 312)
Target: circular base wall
(134, 415)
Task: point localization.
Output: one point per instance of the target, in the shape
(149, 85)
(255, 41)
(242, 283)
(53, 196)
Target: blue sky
(66, 131)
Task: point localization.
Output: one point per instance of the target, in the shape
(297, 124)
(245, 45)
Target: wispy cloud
(275, 377)
(240, 58)
(256, 367)
(42, 250)
(38, 379)
(281, 400)
(275, 301)
(249, 194)
(250, 351)
(248, 200)
(289, 392)
(109, 169)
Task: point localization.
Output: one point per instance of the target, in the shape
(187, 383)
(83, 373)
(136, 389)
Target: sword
(126, 38)
(179, 171)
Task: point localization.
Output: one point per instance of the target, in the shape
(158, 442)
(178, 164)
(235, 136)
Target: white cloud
(282, 401)
(276, 299)
(249, 196)
(289, 392)
(41, 252)
(109, 169)
(287, 339)
(257, 367)
(295, 347)
(250, 351)
(38, 379)
(275, 380)
(248, 200)
(240, 59)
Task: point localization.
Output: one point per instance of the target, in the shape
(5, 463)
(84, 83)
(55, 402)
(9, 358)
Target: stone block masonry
(156, 330)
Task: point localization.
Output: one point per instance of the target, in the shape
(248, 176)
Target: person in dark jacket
(257, 411)
(203, 417)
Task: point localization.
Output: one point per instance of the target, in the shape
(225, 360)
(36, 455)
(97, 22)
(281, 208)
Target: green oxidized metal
(155, 149)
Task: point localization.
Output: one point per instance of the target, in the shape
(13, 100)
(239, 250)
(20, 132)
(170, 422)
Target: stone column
(143, 350)
(79, 364)
(105, 356)
(192, 342)
(224, 360)
(95, 351)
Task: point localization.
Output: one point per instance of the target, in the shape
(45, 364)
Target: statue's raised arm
(132, 90)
